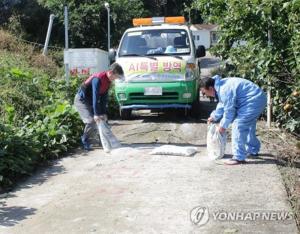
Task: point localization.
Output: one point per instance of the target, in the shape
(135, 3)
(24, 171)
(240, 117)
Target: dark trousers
(86, 114)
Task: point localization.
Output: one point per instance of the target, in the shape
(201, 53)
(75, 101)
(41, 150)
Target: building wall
(202, 37)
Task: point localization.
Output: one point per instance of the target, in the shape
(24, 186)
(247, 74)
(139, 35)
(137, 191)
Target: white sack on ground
(216, 142)
(174, 150)
(108, 139)
(125, 151)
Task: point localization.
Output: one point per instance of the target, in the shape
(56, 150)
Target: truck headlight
(186, 95)
(189, 74)
(122, 96)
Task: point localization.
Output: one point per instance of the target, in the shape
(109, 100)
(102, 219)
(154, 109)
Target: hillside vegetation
(37, 121)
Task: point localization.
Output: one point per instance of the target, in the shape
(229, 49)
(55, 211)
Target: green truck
(161, 66)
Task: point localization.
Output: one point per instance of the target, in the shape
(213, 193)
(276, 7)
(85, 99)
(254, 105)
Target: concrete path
(130, 191)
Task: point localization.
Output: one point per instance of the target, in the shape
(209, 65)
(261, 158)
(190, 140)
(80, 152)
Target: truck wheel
(125, 113)
(184, 113)
(195, 110)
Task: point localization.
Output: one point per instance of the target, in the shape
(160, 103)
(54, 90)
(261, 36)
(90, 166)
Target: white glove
(99, 118)
(210, 120)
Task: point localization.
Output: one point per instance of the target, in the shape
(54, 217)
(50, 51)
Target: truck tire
(195, 110)
(125, 114)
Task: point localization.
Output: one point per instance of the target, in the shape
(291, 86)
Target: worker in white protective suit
(240, 103)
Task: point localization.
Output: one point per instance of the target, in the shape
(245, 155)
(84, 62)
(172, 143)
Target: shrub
(44, 63)
(271, 62)
(37, 119)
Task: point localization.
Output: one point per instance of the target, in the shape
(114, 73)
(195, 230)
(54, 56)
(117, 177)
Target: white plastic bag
(108, 139)
(174, 150)
(216, 142)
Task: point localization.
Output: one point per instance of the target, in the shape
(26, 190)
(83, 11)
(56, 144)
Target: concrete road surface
(131, 191)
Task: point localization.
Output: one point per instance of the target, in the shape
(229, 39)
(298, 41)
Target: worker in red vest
(91, 100)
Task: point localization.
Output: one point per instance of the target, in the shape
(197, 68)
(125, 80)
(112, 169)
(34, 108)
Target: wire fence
(35, 44)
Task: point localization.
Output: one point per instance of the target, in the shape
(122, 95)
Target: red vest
(105, 82)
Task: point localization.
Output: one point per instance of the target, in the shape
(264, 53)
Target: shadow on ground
(43, 174)
(174, 115)
(261, 159)
(10, 216)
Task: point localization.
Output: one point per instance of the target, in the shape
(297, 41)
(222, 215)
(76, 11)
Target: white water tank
(86, 61)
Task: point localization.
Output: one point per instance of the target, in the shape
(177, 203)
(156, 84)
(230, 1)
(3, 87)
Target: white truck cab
(161, 66)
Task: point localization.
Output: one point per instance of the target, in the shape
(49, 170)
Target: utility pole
(66, 22)
(106, 4)
(45, 50)
(164, 4)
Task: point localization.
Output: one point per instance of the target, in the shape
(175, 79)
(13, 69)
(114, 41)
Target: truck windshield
(155, 42)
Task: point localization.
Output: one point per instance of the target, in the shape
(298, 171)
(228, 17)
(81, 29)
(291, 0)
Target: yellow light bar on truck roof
(158, 20)
(175, 20)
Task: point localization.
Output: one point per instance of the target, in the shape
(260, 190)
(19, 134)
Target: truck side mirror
(200, 52)
(112, 55)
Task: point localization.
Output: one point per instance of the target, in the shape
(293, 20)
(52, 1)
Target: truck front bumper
(156, 106)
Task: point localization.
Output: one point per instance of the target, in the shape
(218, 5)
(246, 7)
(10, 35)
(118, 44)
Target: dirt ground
(283, 146)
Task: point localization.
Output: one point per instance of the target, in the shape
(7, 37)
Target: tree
(275, 65)
(21, 17)
(88, 20)
(6, 7)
